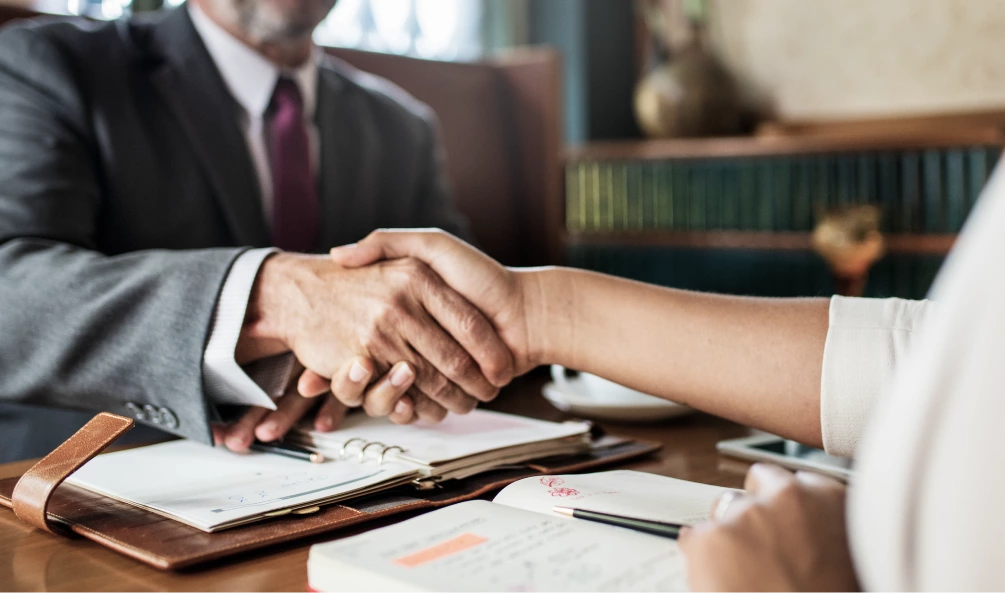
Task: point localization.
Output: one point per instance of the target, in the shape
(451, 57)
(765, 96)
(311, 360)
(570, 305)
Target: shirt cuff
(866, 339)
(226, 382)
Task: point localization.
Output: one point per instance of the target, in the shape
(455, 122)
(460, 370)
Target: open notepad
(212, 489)
(517, 543)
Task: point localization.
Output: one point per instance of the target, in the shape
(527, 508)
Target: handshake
(406, 324)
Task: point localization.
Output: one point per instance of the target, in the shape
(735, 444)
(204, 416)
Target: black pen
(281, 448)
(670, 530)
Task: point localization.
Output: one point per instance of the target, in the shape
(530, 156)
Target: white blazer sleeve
(866, 339)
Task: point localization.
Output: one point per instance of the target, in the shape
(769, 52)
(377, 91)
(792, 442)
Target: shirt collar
(250, 77)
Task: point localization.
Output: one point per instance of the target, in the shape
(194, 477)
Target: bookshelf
(905, 244)
(634, 206)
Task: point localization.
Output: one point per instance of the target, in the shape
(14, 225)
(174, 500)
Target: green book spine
(956, 190)
(682, 195)
(637, 197)
(910, 192)
(866, 177)
(825, 198)
(783, 195)
(665, 192)
(574, 196)
(696, 196)
(748, 195)
(713, 195)
(646, 197)
(846, 180)
(888, 192)
(597, 200)
(619, 207)
(631, 197)
(766, 196)
(730, 195)
(978, 174)
(802, 195)
(934, 218)
(619, 221)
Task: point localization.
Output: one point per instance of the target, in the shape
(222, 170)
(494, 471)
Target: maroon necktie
(295, 197)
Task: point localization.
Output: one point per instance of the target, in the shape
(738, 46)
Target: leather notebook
(41, 499)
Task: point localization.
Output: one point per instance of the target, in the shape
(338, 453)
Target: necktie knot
(286, 97)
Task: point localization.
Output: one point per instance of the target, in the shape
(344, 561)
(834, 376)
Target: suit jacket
(127, 191)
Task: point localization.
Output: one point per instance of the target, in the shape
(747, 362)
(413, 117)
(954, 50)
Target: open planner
(516, 542)
(213, 489)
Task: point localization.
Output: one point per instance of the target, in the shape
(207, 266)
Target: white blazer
(916, 392)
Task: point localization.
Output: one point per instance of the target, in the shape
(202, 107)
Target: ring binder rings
(362, 450)
(345, 446)
(380, 458)
(364, 445)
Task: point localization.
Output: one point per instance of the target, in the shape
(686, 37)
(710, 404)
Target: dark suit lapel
(350, 149)
(188, 81)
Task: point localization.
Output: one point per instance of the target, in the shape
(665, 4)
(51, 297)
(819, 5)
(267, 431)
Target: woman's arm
(753, 360)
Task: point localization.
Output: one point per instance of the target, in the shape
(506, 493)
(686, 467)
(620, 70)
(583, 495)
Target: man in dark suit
(161, 179)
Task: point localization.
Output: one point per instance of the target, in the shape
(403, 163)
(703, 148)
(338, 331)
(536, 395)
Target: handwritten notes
(481, 546)
(622, 492)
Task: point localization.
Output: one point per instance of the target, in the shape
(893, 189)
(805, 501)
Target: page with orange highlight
(481, 546)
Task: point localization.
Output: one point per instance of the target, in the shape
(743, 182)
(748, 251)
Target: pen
(670, 530)
(292, 451)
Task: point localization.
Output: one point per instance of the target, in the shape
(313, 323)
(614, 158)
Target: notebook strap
(32, 492)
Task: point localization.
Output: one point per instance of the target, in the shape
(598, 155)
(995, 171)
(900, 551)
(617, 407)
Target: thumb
(684, 538)
(424, 244)
(355, 255)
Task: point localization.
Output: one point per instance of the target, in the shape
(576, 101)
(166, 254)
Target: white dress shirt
(929, 384)
(251, 80)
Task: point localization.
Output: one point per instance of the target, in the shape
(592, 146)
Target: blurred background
(770, 147)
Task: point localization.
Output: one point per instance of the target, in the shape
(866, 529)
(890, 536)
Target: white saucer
(648, 410)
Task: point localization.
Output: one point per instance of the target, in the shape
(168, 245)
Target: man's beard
(265, 22)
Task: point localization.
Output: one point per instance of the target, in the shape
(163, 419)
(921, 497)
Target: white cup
(597, 388)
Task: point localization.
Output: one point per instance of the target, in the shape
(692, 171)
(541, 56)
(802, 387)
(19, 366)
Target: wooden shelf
(753, 146)
(755, 240)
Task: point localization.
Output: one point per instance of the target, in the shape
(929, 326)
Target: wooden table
(34, 561)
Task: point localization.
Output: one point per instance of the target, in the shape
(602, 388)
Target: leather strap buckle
(32, 492)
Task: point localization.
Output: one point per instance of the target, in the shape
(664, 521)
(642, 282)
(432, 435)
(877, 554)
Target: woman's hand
(787, 533)
(500, 293)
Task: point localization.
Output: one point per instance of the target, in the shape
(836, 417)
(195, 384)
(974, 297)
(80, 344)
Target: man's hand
(336, 320)
(786, 534)
(296, 403)
(500, 293)
(268, 425)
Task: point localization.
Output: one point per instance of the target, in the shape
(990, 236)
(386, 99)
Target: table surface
(34, 561)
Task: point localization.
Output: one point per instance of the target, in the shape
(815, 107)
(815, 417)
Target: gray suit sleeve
(78, 328)
(435, 204)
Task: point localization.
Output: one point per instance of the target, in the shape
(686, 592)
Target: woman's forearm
(753, 360)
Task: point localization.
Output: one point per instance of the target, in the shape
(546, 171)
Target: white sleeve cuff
(866, 339)
(226, 381)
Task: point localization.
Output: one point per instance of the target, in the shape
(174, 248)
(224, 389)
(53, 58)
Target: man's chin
(281, 21)
(293, 17)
